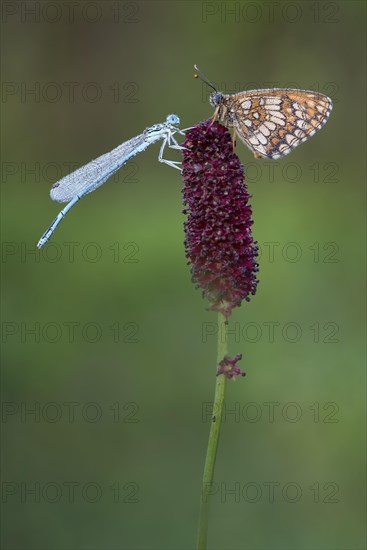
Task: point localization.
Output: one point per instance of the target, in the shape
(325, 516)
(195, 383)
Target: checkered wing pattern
(273, 122)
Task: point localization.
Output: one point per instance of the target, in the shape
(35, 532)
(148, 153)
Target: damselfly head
(173, 119)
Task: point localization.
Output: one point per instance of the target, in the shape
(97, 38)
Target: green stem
(211, 453)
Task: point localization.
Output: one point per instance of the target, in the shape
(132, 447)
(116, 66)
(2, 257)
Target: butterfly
(271, 122)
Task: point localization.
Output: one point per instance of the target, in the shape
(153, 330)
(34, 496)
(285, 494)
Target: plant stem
(211, 453)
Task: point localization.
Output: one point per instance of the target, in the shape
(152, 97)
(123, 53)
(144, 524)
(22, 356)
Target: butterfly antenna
(202, 76)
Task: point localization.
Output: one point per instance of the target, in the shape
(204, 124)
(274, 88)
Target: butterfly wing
(273, 122)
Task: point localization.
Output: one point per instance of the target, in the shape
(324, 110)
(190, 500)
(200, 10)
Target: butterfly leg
(234, 138)
(257, 156)
(214, 117)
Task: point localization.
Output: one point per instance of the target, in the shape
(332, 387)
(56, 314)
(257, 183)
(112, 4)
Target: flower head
(228, 367)
(219, 243)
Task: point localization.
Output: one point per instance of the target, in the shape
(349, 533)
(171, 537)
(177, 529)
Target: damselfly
(86, 179)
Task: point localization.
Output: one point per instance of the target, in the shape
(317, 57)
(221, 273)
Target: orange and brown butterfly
(270, 122)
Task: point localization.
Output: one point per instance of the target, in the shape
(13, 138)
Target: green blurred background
(120, 367)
